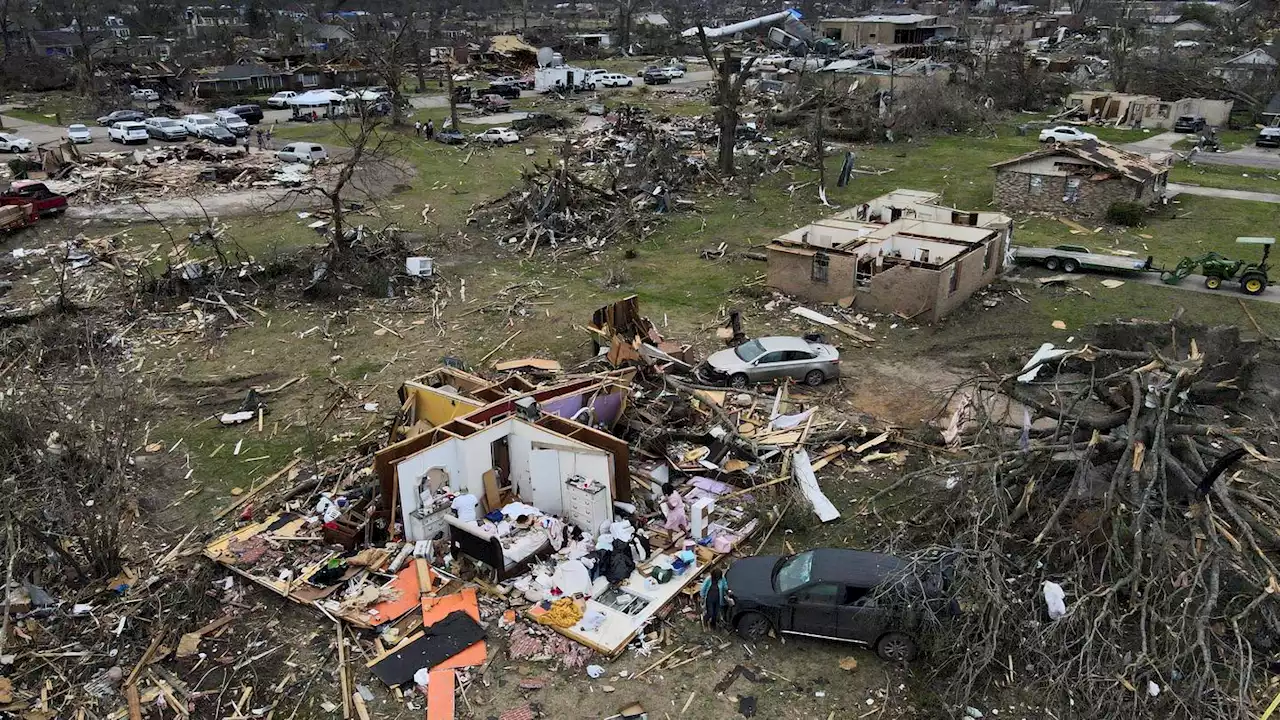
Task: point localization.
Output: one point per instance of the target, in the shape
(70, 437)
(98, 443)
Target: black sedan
(121, 116)
(655, 76)
(218, 134)
(867, 598)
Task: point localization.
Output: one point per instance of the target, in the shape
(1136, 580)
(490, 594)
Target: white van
(302, 152)
(232, 122)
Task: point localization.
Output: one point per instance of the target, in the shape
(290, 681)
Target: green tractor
(1218, 268)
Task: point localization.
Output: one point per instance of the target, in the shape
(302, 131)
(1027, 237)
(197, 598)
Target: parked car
(1065, 133)
(538, 121)
(593, 76)
(252, 114)
(163, 128)
(1268, 137)
(505, 80)
(79, 134)
(128, 132)
(867, 598)
(451, 137)
(499, 136)
(194, 123)
(673, 72)
(302, 152)
(615, 80)
(772, 358)
(281, 99)
(464, 77)
(232, 122)
(492, 103)
(14, 143)
(35, 193)
(510, 92)
(145, 95)
(121, 116)
(1188, 124)
(655, 76)
(215, 133)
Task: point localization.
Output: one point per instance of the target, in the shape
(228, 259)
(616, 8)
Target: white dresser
(587, 503)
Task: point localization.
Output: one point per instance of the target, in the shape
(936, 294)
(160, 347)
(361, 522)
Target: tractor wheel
(1051, 264)
(1213, 282)
(1253, 283)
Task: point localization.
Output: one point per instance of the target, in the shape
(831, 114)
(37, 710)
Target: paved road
(1255, 157)
(1180, 189)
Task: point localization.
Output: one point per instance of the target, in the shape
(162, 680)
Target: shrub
(1129, 214)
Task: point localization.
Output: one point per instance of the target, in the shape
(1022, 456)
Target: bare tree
(626, 15)
(728, 96)
(388, 50)
(453, 96)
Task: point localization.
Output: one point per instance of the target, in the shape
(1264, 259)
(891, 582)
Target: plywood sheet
(440, 694)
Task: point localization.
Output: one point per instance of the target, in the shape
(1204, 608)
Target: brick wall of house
(1013, 192)
(975, 270)
(793, 274)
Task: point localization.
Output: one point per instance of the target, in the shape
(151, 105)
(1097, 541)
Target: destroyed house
(1081, 179)
(895, 254)
(504, 442)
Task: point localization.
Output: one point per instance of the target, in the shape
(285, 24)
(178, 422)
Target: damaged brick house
(899, 253)
(1080, 179)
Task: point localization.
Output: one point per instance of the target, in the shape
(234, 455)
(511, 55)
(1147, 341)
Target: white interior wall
(412, 472)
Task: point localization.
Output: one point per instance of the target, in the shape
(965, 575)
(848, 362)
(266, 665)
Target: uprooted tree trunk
(1129, 496)
(728, 96)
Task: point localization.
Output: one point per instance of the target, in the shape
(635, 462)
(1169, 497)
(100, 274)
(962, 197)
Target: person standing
(714, 593)
(430, 129)
(262, 144)
(417, 128)
(673, 507)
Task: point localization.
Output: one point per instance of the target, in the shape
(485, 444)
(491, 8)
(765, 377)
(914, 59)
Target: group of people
(425, 130)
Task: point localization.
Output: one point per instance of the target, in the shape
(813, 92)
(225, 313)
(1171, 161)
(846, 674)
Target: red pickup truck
(34, 192)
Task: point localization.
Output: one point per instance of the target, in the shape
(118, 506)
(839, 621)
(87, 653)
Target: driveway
(1248, 156)
(1180, 189)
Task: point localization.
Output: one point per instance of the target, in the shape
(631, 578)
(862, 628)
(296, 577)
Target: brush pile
(1125, 476)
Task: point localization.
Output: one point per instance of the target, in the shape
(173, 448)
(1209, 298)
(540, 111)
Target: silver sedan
(772, 358)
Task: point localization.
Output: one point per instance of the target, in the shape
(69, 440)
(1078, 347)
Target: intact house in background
(899, 253)
(1257, 64)
(1080, 179)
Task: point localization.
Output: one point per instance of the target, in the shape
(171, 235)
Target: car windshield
(749, 351)
(793, 572)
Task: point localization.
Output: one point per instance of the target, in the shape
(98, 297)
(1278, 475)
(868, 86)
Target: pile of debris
(1112, 524)
(173, 170)
(609, 183)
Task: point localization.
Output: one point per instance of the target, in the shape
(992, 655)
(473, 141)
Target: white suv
(614, 80)
(127, 132)
(194, 123)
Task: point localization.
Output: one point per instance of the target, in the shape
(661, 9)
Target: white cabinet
(586, 503)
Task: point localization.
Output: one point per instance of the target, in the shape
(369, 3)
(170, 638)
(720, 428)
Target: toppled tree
(1131, 497)
(730, 76)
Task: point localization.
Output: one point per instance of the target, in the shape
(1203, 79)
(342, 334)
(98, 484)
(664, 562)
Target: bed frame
(485, 547)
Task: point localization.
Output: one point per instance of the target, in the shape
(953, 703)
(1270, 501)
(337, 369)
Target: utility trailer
(1074, 258)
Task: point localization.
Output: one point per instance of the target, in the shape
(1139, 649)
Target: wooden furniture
(587, 503)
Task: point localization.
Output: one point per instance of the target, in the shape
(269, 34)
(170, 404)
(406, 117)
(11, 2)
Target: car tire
(814, 378)
(897, 647)
(1051, 263)
(1070, 265)
(739, 381)
(630, 83)
(753, 626)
